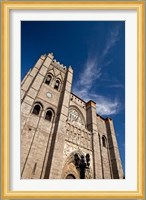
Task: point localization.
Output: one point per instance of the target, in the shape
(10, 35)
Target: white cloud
(113, 38)
(92, 69)
(107, 107)
(104, 105)
(92, 72)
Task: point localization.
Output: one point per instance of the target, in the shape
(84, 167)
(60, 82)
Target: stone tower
(56, 125)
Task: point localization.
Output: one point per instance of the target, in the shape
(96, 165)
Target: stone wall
(48, 147)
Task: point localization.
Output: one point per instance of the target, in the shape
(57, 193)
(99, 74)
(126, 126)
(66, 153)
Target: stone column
(55, 159)
(114, 151)
(92, 127)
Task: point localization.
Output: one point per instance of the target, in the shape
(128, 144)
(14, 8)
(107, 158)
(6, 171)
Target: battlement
(55, 63)
(82, 104)
(58, 64)
(78, 100)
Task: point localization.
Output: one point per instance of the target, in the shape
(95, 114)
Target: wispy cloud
(92, 72)
(113, 38)
(107, 107)
(104, 105)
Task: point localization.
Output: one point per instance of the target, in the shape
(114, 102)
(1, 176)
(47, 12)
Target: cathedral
(62, 136)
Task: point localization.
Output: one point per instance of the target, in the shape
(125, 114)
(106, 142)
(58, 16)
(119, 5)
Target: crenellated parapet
(58, 65)
(78, 101)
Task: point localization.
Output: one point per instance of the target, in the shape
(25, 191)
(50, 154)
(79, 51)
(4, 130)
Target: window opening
(57, 84)
(49, 115)
(36, 109)
(48, 79)
(103, 141)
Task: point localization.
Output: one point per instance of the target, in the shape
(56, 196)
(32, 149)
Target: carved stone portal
(70, 169)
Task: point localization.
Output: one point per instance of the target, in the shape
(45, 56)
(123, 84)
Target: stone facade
(56, 124)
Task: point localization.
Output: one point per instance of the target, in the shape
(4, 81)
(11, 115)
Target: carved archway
(70, 176)
(70, 168)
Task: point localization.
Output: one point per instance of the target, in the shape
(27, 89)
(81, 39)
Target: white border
(130, 18)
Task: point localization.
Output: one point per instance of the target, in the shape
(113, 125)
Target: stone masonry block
(39, 63)
(32, 92)
(33, 120)
(38, 81)
(45, 125)
(27, 83)
(69, 77)
(64, 110)
(68, 86)
(47, 62)
(34, 71)
(22, 93)
(29, 100)
(25, 108)
(43, 70)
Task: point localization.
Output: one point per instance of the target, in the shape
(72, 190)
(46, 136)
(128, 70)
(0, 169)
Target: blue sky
(96, 52)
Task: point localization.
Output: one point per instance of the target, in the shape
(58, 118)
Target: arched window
(57, 85)
(70, 176)
(48, 79)
(49, 115)
(37, 109)
(104, 142)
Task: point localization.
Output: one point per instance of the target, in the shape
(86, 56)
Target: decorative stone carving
(75, 116)
(69, 166)
(78, 135)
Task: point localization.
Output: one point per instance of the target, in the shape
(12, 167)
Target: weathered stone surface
(32, 93)
(27, 83)
(49, 142)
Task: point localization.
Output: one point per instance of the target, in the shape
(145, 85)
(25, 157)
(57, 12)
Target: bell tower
(45, 92)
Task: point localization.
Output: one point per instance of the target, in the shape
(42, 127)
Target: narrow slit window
(104, 141)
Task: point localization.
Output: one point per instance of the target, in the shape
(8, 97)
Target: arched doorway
(70, 171)
(70, 176)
